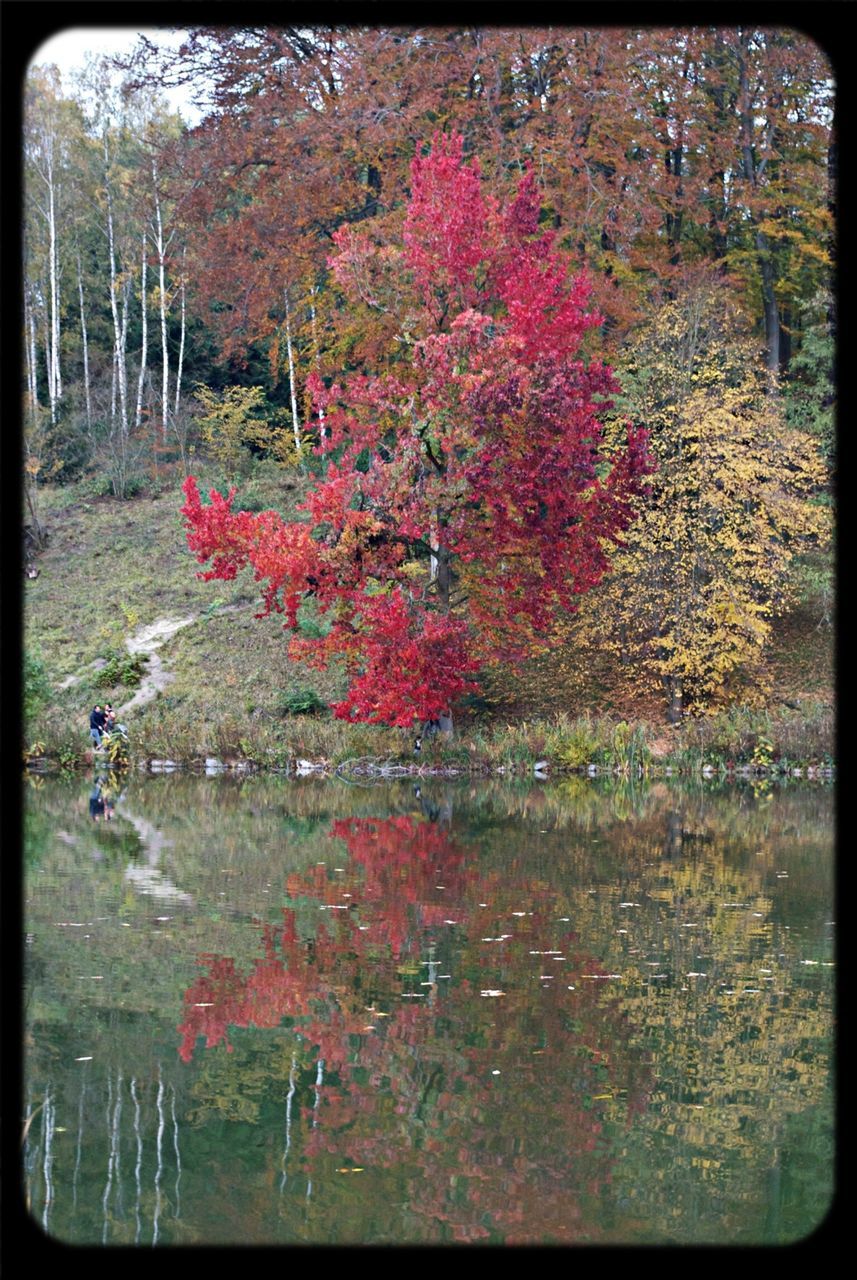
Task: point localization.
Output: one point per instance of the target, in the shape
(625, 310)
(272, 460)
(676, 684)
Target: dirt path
(147, 641)
(150, 880)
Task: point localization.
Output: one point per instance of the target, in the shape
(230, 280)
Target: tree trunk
(832, 204)
(751, 176)
(296, 426)
(46, 334)
(181, 340)
(317, 357)
(675, 215)
(49, 212)
(769, 302)
(30, 348)
(120, 378)
(86, 383)
(138, 414)
(674, 691)
(442, 575)
(165, 358)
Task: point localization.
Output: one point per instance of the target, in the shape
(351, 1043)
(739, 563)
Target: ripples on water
(300, 1012)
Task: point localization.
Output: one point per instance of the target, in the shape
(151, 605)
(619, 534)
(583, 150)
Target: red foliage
(466, 499)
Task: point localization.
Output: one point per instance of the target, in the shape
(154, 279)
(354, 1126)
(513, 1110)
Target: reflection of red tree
(489, 1104)
(401, 859)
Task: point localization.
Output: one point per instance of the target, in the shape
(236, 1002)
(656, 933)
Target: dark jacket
(96, 719)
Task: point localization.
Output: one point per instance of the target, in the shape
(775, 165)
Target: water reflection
(309, 1013)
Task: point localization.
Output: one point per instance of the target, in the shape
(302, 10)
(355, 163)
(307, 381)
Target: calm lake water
(305, 1012)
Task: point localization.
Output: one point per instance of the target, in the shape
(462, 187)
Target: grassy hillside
(111, 568)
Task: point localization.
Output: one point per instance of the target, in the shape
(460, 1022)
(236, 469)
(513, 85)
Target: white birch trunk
(119, 370)
(123, 350)
(296, 426)
(317, 355)
(434, 543)
(85, 343)
(161, 250)
(30, 348)
(49, 212)
(138, 413)
(48, 364)
(181, 340)
(43, 157)
(56, 374)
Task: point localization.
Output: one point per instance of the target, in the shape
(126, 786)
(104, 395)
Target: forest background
(178, 298)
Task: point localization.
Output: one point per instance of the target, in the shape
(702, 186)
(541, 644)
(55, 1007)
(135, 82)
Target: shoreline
(389, 770)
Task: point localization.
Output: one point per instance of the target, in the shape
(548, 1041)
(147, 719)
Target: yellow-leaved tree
(737, 495)
(237, 419)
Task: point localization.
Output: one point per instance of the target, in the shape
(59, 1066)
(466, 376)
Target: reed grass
(739, 737)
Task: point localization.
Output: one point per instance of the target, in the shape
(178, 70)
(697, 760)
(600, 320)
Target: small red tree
(466, 501)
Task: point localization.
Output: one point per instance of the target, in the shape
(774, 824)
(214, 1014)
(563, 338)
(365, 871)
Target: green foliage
(763, 752)
(817, 589)
(211, 609)
(300, 702)
(37, 691)
(628, 749)
(102, 484)
(809, 390)
(577, 745)
(310, 625)
(121, 668)
(130, 615)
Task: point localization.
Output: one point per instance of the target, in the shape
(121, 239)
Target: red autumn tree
(467, 499)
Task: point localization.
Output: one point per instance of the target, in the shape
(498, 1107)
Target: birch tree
(45, 160)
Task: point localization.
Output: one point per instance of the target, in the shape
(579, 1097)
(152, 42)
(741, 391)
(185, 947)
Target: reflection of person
(96, 725)
(96, 802)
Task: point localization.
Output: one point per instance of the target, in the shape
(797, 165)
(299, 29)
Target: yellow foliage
(228, 424)
(705, 566)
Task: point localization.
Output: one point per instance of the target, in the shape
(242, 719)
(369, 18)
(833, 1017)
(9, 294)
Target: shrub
(577, 744)
(300, 702)
(121, 668)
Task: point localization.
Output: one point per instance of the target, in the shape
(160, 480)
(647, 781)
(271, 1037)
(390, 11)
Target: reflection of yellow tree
(736, 1022)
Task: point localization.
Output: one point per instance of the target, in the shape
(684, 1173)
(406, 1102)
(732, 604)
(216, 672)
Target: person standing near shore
(96, 725)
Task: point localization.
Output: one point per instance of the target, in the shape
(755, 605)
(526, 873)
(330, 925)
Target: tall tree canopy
(466, 500)
(654, 147)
